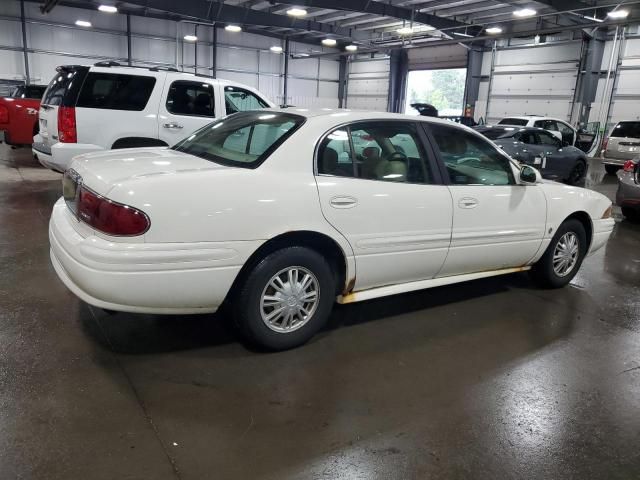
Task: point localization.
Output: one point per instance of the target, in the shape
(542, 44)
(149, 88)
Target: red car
(19, 114)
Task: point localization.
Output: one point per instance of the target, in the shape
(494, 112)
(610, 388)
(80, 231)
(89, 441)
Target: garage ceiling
(371, 23)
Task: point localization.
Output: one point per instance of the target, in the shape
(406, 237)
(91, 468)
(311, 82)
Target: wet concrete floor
(492, 379)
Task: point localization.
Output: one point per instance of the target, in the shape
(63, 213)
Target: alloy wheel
(565, 254)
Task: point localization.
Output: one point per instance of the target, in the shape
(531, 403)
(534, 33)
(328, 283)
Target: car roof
(348, 114)
(534, 117)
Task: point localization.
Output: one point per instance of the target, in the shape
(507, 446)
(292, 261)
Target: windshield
(626, 129)
(513, 121)
(242, 140)
(495, 133)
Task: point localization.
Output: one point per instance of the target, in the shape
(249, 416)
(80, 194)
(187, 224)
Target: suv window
(547, 125)
(191, 98)
(244, 140)
(385, 151)
(470, 159)
(514, 121)
(626, 129)
(114, 91)
(239, 100)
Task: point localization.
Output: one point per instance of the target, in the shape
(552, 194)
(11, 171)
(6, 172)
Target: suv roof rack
(112, 63)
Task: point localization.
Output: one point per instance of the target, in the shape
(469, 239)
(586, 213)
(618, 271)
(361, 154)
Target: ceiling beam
(378, 8)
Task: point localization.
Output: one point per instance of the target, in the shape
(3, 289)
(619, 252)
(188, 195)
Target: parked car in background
(622, 144)
(628, 194)
(108, 106)
(257, 212)
(558, 128)
(538, 148)
(19, 114)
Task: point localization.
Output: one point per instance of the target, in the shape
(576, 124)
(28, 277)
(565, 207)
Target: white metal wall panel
(429, 58)
(368, 84)
(10, 33)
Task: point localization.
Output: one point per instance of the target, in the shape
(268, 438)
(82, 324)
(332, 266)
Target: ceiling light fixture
(83, 23)
(351, 48)
(276, 49)
(191, 38)
(233, 28)
(405, 31)
(108, 9)
(524, 12)
(297, 12)
(493, 30)
(595, 19)
(460, 34)
(329, 42)
(618, 14)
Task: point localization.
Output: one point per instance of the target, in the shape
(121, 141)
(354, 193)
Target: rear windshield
(115, 91)
(58, 87)
(245, 139)
(513, 121)
(495, 133)
(626, 129)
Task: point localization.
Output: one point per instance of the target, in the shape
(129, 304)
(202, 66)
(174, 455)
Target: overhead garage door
(432, 58)
(368, 84)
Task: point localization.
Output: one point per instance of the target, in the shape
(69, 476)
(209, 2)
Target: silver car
(628, 194)
(623, 144)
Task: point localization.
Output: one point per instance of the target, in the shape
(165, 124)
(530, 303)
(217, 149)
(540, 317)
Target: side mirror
(529, 175)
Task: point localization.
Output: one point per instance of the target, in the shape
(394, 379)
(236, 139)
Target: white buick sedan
(279, 213)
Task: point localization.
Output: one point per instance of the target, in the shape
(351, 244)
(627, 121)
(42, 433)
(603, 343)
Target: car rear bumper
(602, 229)
(59, 155)
(165, 278)
(618, 162)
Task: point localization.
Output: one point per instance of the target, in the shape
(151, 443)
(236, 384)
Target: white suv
(558, 128)
(108, 106)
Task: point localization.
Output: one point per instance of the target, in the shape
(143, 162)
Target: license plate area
(71, 182)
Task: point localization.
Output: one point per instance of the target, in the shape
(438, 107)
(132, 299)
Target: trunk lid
(101, 171)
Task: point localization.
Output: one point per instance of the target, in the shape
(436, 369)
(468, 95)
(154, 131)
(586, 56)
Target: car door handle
(32, 111)
(343, 202)
(172, 125)
(468, 202)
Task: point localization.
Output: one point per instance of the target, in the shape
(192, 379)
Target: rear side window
(626, 129)
(61, 83)
(116, 92)
(191, 98)
(34, 91)
(513, 121)
(240, 100)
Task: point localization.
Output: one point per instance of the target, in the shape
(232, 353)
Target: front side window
(547, 125)
(526, 137)
(384, 151)
(545, 138)
(240, 100)
(190, 98)
(115, 91)
(470, 159)
(244, 140)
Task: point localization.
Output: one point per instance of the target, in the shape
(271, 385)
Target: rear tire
(631, 214)
(285, 299)
(611, 169)
(551, 271)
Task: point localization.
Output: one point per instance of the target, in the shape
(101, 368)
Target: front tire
(578, 173)
(285, 299)
(611, 169)
(563, 257)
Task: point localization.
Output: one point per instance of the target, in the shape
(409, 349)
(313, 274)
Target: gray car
(537, 147)
(623, 144)
(628, 194)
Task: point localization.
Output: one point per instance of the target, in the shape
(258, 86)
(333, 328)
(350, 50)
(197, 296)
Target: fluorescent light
(83, 23)
(108, 9)
(618, 14)
(190, 38)
(595, 19)
(460, 34)
(297, 12)
(233, 28)
(405, 31)
(493, 30)
(329, 42)
(351, 48)
(276, 49)
(525, 12)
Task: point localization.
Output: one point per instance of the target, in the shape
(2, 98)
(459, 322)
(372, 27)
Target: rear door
(186, 106)
(387, 201)
(62, 91)
(624, 141)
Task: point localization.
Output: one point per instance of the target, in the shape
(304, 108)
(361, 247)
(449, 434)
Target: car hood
(101, 171)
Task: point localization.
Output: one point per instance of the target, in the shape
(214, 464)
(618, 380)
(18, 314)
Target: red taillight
(67, 125)
(110, 217)
(4, 114)
(605, 142)
(629, 166)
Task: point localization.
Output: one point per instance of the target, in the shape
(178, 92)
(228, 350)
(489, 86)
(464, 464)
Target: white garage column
(368, 83)
(529, 80)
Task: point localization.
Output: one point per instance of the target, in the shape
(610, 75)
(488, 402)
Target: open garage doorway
(443, 88)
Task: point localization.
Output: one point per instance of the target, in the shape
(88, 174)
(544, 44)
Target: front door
(380, 188)
(186, 106)
(497, 223)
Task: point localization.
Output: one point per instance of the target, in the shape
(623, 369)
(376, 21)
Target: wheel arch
(320, 242)
(584, 218)
(135, 142)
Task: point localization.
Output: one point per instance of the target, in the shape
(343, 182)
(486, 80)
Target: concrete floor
(488, 379)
